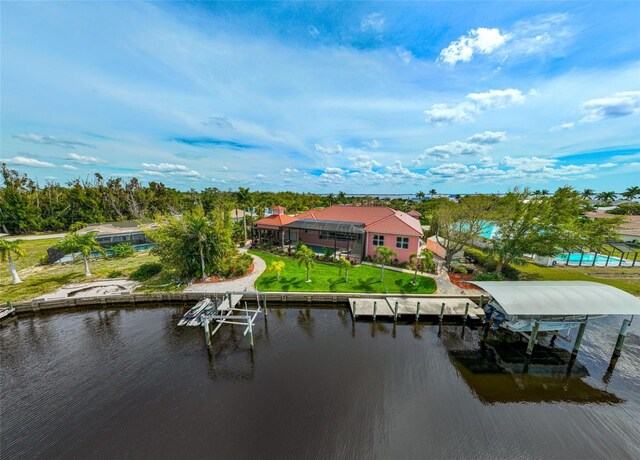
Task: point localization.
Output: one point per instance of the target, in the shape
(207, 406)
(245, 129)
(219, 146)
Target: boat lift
(228, 312)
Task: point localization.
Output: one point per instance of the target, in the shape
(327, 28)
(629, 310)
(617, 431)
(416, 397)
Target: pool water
(109, 252)
(588, 259)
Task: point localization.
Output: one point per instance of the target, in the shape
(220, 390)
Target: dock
(414, 307)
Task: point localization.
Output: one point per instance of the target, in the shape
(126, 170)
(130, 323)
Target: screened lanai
(344, 238)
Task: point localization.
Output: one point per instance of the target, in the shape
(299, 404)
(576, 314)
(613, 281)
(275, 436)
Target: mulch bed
(462, 281)
(217, 279)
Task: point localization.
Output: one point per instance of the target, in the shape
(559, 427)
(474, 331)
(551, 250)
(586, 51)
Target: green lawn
(39, 280)
(325, 278)
(627, 279)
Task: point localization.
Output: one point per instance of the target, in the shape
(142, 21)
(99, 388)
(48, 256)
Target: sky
(359, 97)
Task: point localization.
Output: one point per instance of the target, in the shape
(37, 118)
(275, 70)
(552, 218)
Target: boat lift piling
(440, 318)
(464, 319)
(617, 351)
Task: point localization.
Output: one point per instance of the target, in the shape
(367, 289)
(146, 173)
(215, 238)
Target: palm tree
(331, 197)
(420, 195)
(306, 257)
(345, 265)
(433, 192)
(7, 250)
(384, 256)
(276, 267)
(341, 197)
(631, 193)
(197, 226)
(243, 196)
(414, 261)
(84, 244)
(544, 192)
(606, 197)
(588, 193)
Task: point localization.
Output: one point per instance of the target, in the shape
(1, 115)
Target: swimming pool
(109, 252)
(588, 259)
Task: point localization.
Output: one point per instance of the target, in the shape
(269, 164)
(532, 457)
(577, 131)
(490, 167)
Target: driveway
(246, 283)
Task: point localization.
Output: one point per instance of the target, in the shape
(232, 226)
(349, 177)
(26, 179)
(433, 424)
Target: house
(238, 215)
(437, 246)
(629, 231)
(355, 231)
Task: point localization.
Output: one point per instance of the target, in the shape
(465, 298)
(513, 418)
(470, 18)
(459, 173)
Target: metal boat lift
(229, 313)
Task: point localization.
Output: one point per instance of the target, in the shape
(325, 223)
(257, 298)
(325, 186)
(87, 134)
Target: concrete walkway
(443, 284)
(246, 283)
(36, 237)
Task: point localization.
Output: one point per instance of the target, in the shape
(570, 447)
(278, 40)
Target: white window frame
(402, 242)
(377, 240)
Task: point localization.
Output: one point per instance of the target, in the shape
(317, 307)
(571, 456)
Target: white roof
(533, 298)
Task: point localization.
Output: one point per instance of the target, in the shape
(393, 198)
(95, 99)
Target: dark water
(129, 383)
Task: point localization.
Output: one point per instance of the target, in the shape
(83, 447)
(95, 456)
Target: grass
(40, 280)
(325, 278)
(627, 279)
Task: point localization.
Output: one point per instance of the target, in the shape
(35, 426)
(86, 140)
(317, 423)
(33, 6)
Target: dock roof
(553, 298)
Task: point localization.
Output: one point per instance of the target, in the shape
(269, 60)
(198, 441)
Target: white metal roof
(533, 298)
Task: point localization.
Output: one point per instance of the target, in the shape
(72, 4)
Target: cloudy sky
(358, 97)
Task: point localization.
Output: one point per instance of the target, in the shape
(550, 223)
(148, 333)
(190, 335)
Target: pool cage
(611, 254)
(345, 239)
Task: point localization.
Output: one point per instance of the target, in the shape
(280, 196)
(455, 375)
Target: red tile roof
(630, 227)
(276, 220)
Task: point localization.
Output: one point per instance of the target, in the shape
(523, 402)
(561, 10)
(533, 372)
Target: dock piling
(375, 308)
(576, 344)
(464, 319)
(354, 310)
(621, 336)
(440, 318)
(532, 338)
(418, 312)
(264, 297)
(395, 312)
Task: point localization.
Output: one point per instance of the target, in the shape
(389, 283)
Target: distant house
(629, 231)
(237, 215)
(355, 231)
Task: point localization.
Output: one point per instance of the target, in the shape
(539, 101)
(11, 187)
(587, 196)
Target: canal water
(129, 383)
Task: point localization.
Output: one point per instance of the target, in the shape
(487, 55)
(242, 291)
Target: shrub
(115, 274)
(489, 263)
(146, 271)
(44, 260)
(488, 277)
(327, 254)
(122, 250)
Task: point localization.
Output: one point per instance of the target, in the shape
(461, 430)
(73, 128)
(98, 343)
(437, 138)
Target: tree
(433, 192)
(197, 229)
(458, 224)
(606, 197)
(342, 197)
(588, 193)
(345, 265)
(631, 193)
(84, 244)
(306, 257)
(384, 255)
(420, 262)
(243, 195)
(421, 195)
(8, 250)
(276, 267)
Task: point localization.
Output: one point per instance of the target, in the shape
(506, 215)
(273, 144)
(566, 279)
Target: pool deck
(408, 307)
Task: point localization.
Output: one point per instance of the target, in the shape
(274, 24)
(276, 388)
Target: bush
(327, 254)
(122, 250)
(488, 277)
(115, 274)
(489, 263)
(459, 270)
(146, 271)
(44, 260)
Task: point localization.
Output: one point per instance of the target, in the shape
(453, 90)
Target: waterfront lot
(325, 278)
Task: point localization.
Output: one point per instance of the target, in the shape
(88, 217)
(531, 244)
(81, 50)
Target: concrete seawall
(179, 298)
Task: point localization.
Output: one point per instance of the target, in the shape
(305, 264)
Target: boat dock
(414, 307)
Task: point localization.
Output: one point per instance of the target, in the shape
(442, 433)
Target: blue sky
(325, 97)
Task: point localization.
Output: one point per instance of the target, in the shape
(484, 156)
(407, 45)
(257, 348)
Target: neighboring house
(355, 231)
(629, 231)
(112, 233)
(237, 215)
(434, 245)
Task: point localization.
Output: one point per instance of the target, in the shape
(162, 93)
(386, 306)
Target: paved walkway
(246, 283)
(443, 284)
(36, 237)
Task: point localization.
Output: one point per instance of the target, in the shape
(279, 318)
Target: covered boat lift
(557, 305)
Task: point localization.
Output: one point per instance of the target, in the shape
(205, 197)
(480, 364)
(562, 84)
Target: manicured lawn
(325, 278)
(627, 279)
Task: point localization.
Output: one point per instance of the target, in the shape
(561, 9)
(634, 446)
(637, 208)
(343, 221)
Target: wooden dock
(414, 307)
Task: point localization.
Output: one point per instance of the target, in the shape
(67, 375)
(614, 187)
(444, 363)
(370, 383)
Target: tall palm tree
(420, 195)
(345, 265)
(341, 197)
(306, 257)
(631, 193)
(84, 244)
(588, 193)
(384, 256)
(197, 226)
(243, 196)
(8, 250)
(606, 197)
(331, 197)
(415, 262)
(433, 192)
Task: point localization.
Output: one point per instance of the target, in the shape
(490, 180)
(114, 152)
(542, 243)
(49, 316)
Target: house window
(378, 240)
(402, 242)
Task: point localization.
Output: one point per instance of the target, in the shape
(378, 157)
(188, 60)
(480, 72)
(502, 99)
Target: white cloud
(151, 172)
(24, 161)
(530, 164)
(165, 167)
(474, 104)
(70, 167)
(488, 137)
(260, 176)
(82, 159)
(480, 41)
(328, 150)
(372, 144)
(334, 171)
(619, 105)
(363, 163)
(452, 149)
(405, 55)
(398, 171)
(563, 126)
(332, 176)
(449, 170)
(290, 171)
(50, 140)
(373, 21)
